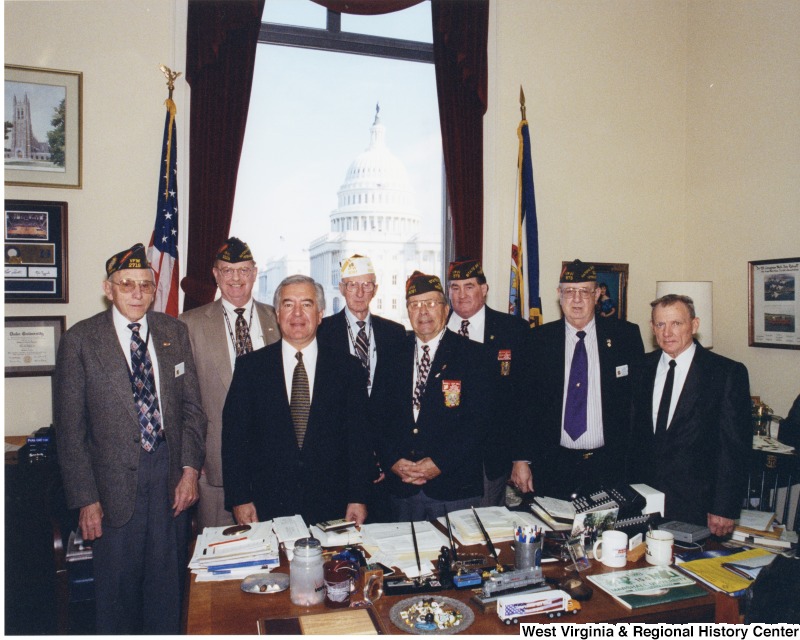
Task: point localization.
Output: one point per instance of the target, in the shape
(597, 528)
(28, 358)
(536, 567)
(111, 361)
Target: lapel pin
(608, 342)
(166, 344)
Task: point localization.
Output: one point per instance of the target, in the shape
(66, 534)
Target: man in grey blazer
(130, 429)
(220, 332)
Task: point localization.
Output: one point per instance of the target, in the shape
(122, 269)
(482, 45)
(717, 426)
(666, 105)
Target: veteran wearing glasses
(579, 380)
(435, 424)
(374, 341)
(131, 430)
(221, 331)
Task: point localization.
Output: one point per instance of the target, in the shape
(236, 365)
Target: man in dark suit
(504, 338)
(220, 331)
(374, 341)
(294, 426)
(578, 414)
(436, 420)
(692, 429)
(130, 429)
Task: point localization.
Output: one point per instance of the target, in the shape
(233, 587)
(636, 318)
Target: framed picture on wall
(773, 304)
(31, 345)
(35, 251)
(43, 127)
(612, 279)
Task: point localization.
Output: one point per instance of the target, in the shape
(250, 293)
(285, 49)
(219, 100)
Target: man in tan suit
(220, 331)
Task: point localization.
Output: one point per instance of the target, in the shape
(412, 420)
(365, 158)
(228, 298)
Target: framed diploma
(774, 304)
(31, 344)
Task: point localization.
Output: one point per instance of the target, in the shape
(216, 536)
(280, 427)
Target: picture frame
(43, 147)
(773, 303)
(614, 275)
(31, 344)
(35, 251)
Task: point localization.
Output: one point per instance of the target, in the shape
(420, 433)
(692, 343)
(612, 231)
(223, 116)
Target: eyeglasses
(129, 286)
(580, 294)
(244, 272)
(366, 287)
(416, 305)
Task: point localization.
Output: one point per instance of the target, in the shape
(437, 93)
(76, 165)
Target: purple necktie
(575, 411)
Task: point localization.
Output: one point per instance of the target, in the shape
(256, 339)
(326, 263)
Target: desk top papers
(224, 557)
(391, 544)
(499, 522)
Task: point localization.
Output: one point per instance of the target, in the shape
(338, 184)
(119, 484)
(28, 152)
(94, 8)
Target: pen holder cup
(527, 554)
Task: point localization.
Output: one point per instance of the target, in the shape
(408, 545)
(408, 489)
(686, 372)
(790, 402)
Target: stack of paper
(499, 522)
(224, 557)
(391, 544)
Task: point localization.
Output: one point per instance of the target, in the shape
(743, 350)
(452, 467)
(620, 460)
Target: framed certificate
(773, 303)
(31, 344)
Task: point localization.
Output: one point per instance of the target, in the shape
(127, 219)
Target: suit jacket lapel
(216, 342)
(109, 353)
(690, 394)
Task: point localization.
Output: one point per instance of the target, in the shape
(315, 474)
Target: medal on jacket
(504, 358)
(452, 393)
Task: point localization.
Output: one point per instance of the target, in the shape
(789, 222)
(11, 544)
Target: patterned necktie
(300, 405)
(362, 344)
(464, 330)
(575, 410)
(243, 342)
(666, 398)
(423, 368)
(145, 396)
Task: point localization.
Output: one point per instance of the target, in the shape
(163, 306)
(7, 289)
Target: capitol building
(377, 217)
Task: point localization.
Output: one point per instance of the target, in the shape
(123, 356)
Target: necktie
(464, 330)
(145, 397)
(423, 368)
(243, 342)
(300, 405)
(575, 410)
(666, 398)
(362, 344)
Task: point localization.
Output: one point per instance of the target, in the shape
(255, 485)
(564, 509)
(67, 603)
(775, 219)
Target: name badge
(180, 369)
(622, 371)
(452, 393)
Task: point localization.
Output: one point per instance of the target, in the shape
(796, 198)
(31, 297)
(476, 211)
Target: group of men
(263, 412)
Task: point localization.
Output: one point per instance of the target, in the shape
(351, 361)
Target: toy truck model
(553, 603)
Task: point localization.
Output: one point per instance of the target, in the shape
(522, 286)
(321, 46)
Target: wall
(118, 47)
(665, 136)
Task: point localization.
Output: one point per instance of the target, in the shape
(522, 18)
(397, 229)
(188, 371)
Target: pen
(216, 544)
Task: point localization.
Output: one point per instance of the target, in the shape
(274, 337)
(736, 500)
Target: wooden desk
(223, 608)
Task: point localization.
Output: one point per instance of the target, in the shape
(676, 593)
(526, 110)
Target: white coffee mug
(614, 545)
(659, 547)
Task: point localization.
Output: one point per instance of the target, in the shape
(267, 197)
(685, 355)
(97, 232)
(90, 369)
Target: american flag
(163, 248)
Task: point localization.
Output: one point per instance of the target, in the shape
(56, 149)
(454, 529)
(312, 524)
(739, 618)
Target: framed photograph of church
(43, 115)
(612, 279)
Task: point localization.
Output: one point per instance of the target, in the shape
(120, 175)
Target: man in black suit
(131, 440)
(504, 338)
(294, 426)
(374, 341)
(578, 414)
(436, 419)
(692, 430)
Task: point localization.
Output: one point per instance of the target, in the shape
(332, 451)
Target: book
(761, 541)
(710, 571)
(756, 520)
(549, 520)
(636, 588)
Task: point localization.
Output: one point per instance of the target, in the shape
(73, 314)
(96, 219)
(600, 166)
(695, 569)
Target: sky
(310, 114)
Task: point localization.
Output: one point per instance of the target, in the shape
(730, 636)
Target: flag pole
(522, 103)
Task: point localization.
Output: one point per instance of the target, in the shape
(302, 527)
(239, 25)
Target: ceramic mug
(659, 547)
(614, 547)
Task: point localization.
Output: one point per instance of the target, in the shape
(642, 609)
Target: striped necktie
(423, 368)
(362, 344)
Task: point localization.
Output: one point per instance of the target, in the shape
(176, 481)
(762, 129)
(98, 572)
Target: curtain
(460, 33)
(220, 55)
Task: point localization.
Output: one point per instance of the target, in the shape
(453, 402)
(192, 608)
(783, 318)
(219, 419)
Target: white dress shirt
(682, 364)
(477, 324)
(593, 437)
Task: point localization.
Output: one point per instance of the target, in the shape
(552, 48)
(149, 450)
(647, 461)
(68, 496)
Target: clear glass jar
(306, 579)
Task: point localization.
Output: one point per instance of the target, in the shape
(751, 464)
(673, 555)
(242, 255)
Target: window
(313, 115)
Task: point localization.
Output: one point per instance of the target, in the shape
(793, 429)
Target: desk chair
(774, 485)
